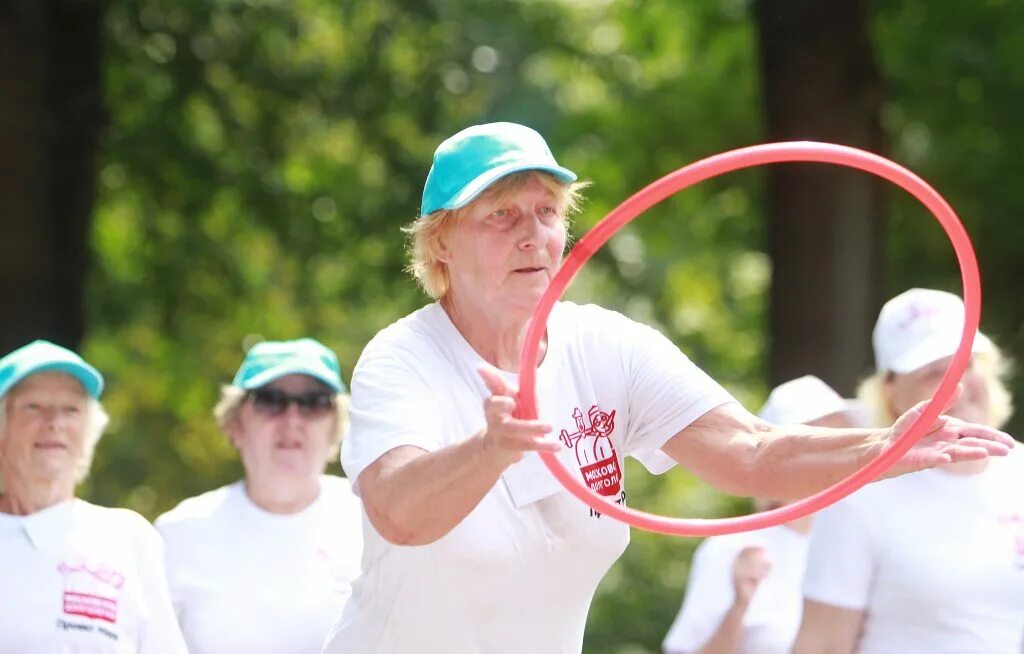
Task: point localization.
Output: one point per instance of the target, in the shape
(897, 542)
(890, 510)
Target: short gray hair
(96, 421)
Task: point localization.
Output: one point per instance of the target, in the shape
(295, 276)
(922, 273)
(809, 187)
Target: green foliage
(954, 74)
(261, 157)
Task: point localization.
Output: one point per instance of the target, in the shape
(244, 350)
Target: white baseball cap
(802, 400)
(918, 327)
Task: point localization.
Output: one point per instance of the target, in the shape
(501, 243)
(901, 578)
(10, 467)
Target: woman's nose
(533, 233)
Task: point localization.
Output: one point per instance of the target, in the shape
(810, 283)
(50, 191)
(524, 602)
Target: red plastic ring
(803, 151)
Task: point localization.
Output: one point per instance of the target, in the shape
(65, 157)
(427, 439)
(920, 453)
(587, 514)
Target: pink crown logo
(91, 592)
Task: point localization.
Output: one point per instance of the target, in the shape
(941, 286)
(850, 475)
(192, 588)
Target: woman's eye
(500, 213)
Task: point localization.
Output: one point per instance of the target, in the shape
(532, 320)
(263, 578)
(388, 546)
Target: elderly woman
(932, 562)
(262, 565)
(744, 595)
(77, 577)
(472, 545)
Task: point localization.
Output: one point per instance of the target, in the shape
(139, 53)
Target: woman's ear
(234, 429)
(442, 245)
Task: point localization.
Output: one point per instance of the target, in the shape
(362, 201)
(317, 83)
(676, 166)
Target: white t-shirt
(934, 559)
(245, 580)
(772, 619)
(519, 572)
(84, 579)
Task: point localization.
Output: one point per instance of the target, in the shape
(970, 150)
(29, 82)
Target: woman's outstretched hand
(949, 440)
(507, 438)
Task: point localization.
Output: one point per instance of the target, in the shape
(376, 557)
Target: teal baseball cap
(43, 356)
(470, 161)
(270, 360)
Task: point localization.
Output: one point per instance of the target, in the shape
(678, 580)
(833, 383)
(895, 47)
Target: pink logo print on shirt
(88, 591)
(1015, 523)
(595, 452)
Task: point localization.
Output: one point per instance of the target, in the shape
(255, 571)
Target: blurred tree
(955, 80)
(261, 156)
(825, 223)
(50, 117)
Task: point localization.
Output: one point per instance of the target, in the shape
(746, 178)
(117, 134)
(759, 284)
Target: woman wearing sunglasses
(262, 565)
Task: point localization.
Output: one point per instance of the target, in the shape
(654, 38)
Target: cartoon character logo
(595, 452)
(91, 592)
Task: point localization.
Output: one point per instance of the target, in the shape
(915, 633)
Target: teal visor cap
(43, 356)
(270, 360)
(470, 161)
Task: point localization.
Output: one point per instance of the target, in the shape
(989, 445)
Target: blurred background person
(743, 594)
(264, 564)
(77, 577)
(181, 175)
(929, 562)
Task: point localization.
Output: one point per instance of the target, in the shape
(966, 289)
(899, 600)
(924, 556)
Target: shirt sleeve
(667, 392)
(709, 594)
(174, 568)
(841, 556)
(391, 405)
(159, 632)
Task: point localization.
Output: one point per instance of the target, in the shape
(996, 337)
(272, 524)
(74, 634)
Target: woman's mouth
(50, 445)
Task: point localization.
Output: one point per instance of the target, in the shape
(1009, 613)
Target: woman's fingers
(526, 435)
(946, 428)
(960, 453)
(494, 381)
(504, 430)
(514, 437)
(903, 423)
(498, 406)
(964, 430)
(994, 448)
(544, 444)
(972, 449)
(948, 440)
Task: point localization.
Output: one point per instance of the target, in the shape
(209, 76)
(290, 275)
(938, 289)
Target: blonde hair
(993, 367)
(427, 234)
(232, 398)
(96, 421)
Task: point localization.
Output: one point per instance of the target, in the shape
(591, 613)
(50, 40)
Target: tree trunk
(50, 117)
(825, 223)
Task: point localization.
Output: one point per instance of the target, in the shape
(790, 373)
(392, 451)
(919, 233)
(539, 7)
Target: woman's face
(278, 440)
(44, 435)
(907, 389)
(501, 256)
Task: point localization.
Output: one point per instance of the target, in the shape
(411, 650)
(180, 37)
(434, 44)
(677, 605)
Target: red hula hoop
(803, 151)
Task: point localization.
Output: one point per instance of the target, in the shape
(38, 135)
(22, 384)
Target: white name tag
(529, 480)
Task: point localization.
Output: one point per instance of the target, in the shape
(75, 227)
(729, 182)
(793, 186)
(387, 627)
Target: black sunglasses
(274, 402)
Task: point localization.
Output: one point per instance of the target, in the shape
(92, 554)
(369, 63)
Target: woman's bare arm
(414, 497)
(827, 629)
(743, 455)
